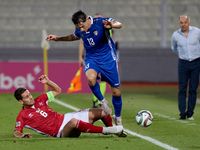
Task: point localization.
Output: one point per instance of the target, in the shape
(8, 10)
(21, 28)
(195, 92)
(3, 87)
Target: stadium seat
(140, 19)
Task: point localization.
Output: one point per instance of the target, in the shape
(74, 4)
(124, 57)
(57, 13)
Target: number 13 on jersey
(91, 41)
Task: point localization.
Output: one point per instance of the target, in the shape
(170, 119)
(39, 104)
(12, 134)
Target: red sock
(107, 120)
(86, 127)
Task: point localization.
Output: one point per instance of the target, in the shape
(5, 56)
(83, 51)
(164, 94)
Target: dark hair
(18, 93)
(78, 17)
(98, 14)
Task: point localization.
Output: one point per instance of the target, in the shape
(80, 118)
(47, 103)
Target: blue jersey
(98, 44)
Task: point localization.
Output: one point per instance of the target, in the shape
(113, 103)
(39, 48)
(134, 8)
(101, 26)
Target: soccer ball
(144, 118)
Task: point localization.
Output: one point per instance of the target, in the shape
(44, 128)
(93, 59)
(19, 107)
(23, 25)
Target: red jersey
(40, 118)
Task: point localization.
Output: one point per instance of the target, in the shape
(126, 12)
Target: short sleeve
(76, 33)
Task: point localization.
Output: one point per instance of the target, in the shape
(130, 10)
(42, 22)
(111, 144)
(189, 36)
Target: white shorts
(81, 115)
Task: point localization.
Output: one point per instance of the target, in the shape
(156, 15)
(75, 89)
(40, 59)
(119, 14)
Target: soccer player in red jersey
(38, 116)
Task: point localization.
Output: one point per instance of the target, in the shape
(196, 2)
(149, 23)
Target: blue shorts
(109, 71)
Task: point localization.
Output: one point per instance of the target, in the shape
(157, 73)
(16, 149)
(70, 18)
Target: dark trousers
(188, 72)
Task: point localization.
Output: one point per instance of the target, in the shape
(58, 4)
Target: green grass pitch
(166, 128)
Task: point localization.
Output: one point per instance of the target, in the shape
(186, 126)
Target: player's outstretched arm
(70, 37)
(115, 24)
(56, 90)
(18, 134)
(51, 38)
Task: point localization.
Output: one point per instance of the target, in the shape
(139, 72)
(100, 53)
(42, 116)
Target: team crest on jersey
(82, 35)
(95, 32)
(18, 124)
(38, 110)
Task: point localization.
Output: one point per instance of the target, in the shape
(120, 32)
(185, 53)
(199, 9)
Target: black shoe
(182, 118)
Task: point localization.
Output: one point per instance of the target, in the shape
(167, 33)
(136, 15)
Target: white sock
(105, 130)
(110, 130)
(119, 120)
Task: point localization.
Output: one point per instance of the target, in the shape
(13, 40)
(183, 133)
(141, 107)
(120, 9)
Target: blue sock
(117, 103)
(96, 91)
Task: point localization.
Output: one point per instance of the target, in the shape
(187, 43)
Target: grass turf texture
(162, 102)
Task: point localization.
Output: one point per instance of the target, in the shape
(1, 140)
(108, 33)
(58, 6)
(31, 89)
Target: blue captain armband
(50, 96)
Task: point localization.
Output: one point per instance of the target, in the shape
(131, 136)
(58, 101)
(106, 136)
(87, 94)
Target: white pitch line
(149, 139)
(66, 105)
(156, 142)
(188, 122)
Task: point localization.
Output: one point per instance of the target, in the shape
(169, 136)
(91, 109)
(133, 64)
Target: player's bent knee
(74, 132)
(116, 93)
(73, 122)
(91, 81)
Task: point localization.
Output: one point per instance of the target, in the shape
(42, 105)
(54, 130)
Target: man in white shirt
(186, 43)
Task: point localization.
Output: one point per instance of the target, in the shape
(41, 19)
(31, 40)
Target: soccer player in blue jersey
(102, 84)
(100, 56)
